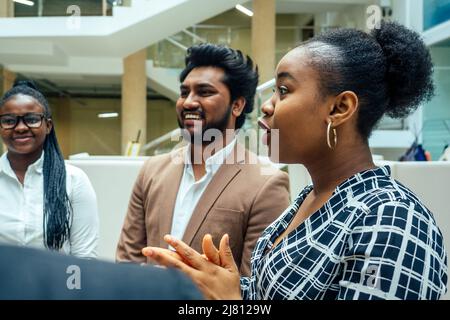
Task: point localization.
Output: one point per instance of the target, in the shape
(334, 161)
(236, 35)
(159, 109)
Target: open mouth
(192, 116)
(263, 125)
(266, 136)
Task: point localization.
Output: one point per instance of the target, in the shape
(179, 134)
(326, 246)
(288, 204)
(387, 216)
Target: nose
(21, 126)
(267, 108)
(191, 102)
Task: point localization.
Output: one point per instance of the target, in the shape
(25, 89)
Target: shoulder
(160, 162)
(394, 205)
(78, 183)
(392, 193)
(74, 173)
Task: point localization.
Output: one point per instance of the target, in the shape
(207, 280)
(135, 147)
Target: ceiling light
(26, 2)
(244, 10)
(108, 115)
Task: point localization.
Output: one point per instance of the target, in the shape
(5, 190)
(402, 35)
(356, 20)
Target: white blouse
(21, 209)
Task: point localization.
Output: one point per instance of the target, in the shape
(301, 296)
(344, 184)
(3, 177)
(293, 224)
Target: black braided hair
(58, 211)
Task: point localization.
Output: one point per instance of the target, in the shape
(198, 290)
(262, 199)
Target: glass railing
(170, 52)
(435, 12)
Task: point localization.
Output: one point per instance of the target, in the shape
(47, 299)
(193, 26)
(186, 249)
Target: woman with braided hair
(43, 201)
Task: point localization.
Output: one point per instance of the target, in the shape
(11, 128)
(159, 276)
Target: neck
(21, 162)
(340, 164)
(201, 152)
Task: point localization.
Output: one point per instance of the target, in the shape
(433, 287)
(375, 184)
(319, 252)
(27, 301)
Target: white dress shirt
(190, 190)
(21, 209)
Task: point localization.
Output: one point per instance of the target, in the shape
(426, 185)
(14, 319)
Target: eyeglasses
(31, 120)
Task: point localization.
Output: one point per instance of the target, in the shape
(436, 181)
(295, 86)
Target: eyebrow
(286, 75)
(199, 85)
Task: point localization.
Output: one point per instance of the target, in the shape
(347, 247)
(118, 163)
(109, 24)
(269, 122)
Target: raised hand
(217, 276)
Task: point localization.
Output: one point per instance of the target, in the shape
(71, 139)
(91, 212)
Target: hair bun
(409, 68)
(27, 83)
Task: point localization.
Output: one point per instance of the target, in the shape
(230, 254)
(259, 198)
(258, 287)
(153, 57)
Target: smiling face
(298, 110)
(205, 102)
(22, 139)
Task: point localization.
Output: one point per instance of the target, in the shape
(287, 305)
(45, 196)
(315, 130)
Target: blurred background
(110, 68)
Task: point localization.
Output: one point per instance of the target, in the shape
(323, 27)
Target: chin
(21, 151)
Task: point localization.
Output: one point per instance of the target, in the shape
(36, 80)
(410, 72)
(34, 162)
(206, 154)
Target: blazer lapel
(167, 193)
(221, 179)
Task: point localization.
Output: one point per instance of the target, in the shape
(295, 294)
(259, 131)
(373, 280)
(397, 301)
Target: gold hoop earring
(328, 136)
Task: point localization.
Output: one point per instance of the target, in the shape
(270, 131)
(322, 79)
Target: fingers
(210, 250)
(173, 254)
(226, 255)
(188, 254)
(164, 258)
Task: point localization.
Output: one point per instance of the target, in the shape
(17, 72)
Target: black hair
(58, 211)
(240, 77)
(390, 70)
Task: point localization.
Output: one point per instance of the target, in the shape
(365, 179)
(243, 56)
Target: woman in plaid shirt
(355, 233)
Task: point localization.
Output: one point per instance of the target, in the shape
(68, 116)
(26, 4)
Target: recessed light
(108, 115)
(26, 2)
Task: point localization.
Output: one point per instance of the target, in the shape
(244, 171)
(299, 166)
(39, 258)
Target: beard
(198, 136)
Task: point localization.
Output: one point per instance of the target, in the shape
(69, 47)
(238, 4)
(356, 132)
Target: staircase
(64, 42)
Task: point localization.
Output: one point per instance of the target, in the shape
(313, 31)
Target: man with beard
(218, 186)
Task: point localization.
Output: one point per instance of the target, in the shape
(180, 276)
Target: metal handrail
(193, 35)
(165, 137)
(177, 44)
(266, 85)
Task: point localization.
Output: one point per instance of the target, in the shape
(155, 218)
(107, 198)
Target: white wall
(113, 181)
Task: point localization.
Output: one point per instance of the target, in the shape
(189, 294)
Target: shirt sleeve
(84, 233)
(133, 236)
(394, 252)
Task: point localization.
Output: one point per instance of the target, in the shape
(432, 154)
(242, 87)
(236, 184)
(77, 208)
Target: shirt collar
(217, 159)
(38, 164)
(5, 166)
(213, 163)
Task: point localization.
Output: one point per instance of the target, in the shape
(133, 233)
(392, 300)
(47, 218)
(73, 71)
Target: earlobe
(238, 106)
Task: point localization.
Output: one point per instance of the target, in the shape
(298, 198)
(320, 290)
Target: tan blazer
(240, 200)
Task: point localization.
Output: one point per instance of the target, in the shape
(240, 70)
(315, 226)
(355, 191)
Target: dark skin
(203, 94)
(298, 92)
(24, 144)
(299, 107)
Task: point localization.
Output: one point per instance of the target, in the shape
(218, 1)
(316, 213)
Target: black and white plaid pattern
(373, 239)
